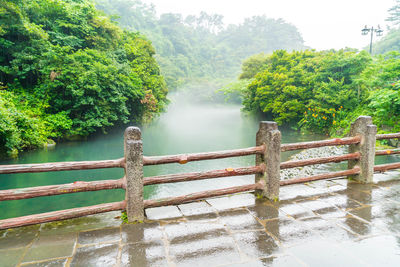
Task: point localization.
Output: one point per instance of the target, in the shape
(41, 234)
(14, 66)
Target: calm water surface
(184, 128)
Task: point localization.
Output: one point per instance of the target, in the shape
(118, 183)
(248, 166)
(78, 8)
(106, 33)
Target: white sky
(323, 24)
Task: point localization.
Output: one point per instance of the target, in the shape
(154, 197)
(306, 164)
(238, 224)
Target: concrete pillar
(134, 174)
(269, 135)
(364, 128)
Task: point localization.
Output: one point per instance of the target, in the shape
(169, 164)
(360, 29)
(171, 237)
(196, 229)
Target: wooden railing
(267, 172)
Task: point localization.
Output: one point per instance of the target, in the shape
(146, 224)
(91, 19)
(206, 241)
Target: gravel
(313, 169)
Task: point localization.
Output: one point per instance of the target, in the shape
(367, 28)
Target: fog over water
(187, 127)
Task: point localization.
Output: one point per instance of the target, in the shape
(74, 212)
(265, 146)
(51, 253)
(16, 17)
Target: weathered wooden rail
(62, 166)
(267, 168)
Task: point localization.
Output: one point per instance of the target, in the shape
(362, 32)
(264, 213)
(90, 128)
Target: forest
(202, 48)
(68, 69)
(71, 68)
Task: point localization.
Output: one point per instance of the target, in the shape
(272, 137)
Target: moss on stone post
(269, 135)
(134, 174)
(364, 128)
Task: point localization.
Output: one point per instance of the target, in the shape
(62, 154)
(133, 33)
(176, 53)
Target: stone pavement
(337, 223)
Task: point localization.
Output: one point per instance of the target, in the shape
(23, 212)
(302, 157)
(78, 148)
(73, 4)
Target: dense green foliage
(202, 47)
(66, 69)
(324, 91)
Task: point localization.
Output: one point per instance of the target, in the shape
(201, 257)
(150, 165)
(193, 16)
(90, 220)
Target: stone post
(134, 174)
(269, 135)
(364, 128)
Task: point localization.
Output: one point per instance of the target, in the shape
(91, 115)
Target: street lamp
(366, 30)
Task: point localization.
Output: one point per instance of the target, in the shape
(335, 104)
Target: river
(184, 128)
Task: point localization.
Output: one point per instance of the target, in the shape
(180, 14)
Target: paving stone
(144, 254)
(357, 226)
(92, 222)
(364, 213)
(10, 257)
(338, 181)
(256, 244)
(196, 208)
(359, 196)
(100, 235)
(355, 196)
(394, 182)
(264, 212)
(319, 252)
(98, 255)
(187, 231)
(19, 237)
(211, 249)
(231, 202)
(322, 208)
(160, 213)
(51, 263)
(54, 246)
(328, 229)
(342, 182)
(281, 260)
(376, 251)
(324, 186)
(203, 217)
(289, 231)
(387, 176)
(239, 220)
(384, 216)
(341, 201)
(390, 193)
(357, 186)
(141, 232)
(300, 191)
(296, 210)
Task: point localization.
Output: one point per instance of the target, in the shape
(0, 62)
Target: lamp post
(366, 30)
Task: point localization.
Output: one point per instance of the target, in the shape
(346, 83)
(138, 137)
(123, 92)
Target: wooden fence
(267, 168)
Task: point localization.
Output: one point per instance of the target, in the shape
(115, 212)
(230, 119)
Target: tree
(292, 84)
(253, 65)
(66, 68)
(394, 13)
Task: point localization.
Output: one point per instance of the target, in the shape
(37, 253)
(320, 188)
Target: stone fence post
(364, 128)
(269, 135)
(133, 148)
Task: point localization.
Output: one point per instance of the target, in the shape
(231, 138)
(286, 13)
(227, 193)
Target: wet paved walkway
(323, 223)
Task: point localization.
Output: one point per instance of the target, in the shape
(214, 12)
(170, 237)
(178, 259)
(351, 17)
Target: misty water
(184, 128)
